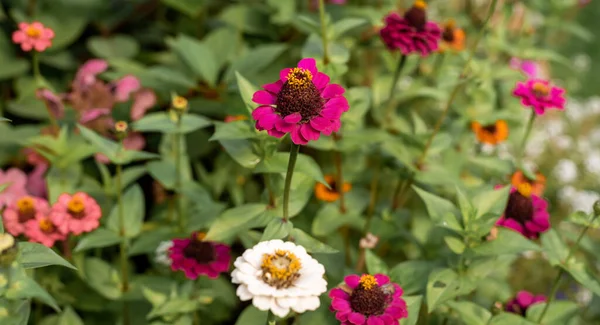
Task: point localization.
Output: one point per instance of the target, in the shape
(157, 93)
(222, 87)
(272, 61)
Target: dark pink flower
(15, 181)
(412, 32)
(22, 210)
(77, 213)
(368, 300)
(530, 68)
(525, 212)
(540, 95)
(33, 36)
(43, 230)
(522, 301)
(195, 256)
(302, 103)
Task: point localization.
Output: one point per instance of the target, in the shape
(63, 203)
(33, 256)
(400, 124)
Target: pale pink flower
(18, 213)
(33, 36)
(16, 180)
(125, 87)
(43, 230)
(77, 213)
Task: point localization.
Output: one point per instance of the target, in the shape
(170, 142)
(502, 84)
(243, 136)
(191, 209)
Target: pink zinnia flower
(16, 180)
(525, 212)
(412, 32)
(134, 141)
(21, 211)
(302, 103)
(530, 68)
(33, 36)
(368, 300)
(540, 95)
(522, 302)
(195, 256)
(77, 213)
(43, 230)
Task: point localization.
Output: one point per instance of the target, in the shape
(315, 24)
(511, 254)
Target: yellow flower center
(420, 4)
(525, 189)
(179, 103)
(280, 269)
(76, 205)
(46, 225)
(26, 205)
(33, 32)
(541, 89)
(368, 282)
(200, 236)
(121, 126)
(299, 78)
(450, 23)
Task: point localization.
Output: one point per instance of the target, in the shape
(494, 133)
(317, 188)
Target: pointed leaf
(133, 213)
(311, 244)
(34, 255)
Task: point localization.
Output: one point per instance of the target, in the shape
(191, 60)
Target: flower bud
(179, 103)
(8, 249)
(121, 129)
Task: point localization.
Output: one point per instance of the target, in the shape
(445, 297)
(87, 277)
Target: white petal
(262, 302)
(253, 257)
(275, 244)
(287, 302)
(243, 293)
(279, 310)
(234, 276)
(299, 250)
(246, 268)
(259, 288)
(288, 246)
(307, 303)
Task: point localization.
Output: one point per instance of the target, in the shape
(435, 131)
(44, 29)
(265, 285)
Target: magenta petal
(297, 138)
(283, 74)
(93, 114)
(263, 97)
(309, 133)
(275, 133)
(267, 121)
(125, 87)
(320, 123)
(524, 298)
(382, 279)
(284, 127)
(341, 305)
(293, 118)
(338, 293)
(374, 320)
(262, 110)
(352, 280)
(338, 102)
(332, 113)
(320, 80)
(274, 87)
(332, 90)
(512, 224)
(309, 64)
(342, 316)
(356, 318)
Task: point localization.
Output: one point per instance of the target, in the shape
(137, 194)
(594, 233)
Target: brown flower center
(299, 95)
(540, 89)
(46, 225)
(368, 298)
(76, 207)
(26, 208)
(201, 251)
(490, 128)
(280, 269)
(417, 16)
(520, 205)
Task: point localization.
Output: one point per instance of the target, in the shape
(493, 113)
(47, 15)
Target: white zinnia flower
(162, 253)
(279, 276)
(565, 171)
(592, 162)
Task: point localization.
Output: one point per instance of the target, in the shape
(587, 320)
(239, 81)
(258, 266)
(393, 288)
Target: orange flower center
(525, 189)
(541, 89)
(76, 206)
(299, 78)
(368, 281)
(33, 32)
(121, 126)
(26, 205)
(179, 103)
(420, 4)
(280, 269)
(46, 225)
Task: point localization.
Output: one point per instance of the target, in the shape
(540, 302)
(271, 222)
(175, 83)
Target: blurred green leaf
(509, 319)
(164, 172)
(102, 277)
(279, 161)
(437, 207)
(346, 25)
(115, 46)
(374, 263)
(311, 244)
(412, 276)
(69, 317)
(133, 213)
(277, 228)
(470, 313)
(197, 56)
(584, 219)
(192, 8)
(445, 284)
(234, 220)
(22, 287)
(251, 315)
(507, 242)
(241, 151)
(98, 238)
(255, 61)
(559, 313)
(34, 255)
(233, 130)
(413, 305)
(161, 122)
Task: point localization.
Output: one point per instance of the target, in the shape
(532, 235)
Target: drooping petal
(356, 319)
(258, 112)
(264, 97)
(309, 133)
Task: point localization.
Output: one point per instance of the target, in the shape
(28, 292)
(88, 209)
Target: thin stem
(360, 264)
(288, 180)
(399, 192)
(526, 135)
(337, 157)
(123, 245)
(271, 320)
(178, 189)
(269, 191)
(324, 31)
(392, 92)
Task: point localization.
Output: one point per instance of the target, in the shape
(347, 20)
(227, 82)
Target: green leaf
(455, 244)
(98, 238)
(192, 8)
(197, 56)
(115, 46)
(582, 274)
(491, 202)
(509, 319)
(374, 263)
(102, 277)
(584, 219)
(470, 313)
(148, 241)
(554, 247)
(277, 228)
(256, 60)
(346, 25)
(507, 242)
(161, 122)
(437, 207)
(559, 313)
(443, 285)
(412, 276)
(69, 317)
(329, 218)
(34, 255)
(103, 145)
(279, 161)
(242, 152)
(247, 90)
(413, 305)
(233, 130)
(251, 315)
(22, 287)
(234, 221)
(164, 172)
(133, 213)
(311, 244)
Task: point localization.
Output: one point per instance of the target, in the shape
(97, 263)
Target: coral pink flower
(525, 212)
(21, 211)
(540, 95)
(43, 230)
(77, 213)
(15, 181)
(196, 257)
(302, 103)
(33, 36)
(522, 302)
(412, 32)
(368, 300)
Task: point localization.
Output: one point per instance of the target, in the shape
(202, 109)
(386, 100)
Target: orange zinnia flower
(330, 195)
(491, 134)
(452, 37)
(537, 185)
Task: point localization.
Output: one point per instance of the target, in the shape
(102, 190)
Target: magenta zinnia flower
(525, 212)
(33, 36)
(302, 102)
(368, 300)
(412, 32)
(540, 95)
(19, 212)
(43, 230)
(195, 256)
(522, 301)
(77, 213)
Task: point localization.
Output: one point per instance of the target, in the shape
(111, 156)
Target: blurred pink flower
(36, 183)
(540, 95)
(33, 36)
(43, 230)
(522, 301)
(196, 257)
(143, 100)
(52, 101)
(125, 86)
(77, 213)
(86, 75)
(525, 213)
(16, 180)
(22, 210)
(530, 68)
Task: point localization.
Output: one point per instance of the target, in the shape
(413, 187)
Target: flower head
(33, 36)
(179, 103)
(537, 185)
(196, 256)
(302, 103)
(540, 95)
(452, 37)
(492, 133)
(333, 193)
(412, 32)
(279, 276)
(367, 300)
(43, 230)
(22, 210)
(522, 301)
(15, 181)
(8, 249)
(77, 213)
(530, 68)
(525, 212)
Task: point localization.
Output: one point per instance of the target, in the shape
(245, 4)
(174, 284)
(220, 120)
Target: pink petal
(93, 114)
(297, 138)
(356, 318)
(309, 64)
(352, 281)
(374, 320)
(338, 102)
(512, 224)
(282, 126)
(125, 87)
(524, 298)
(320, 80)
(338, 293)
(264, 97)
(275, 133)
(18, 36)
(332, 90)
(262, 110)
(341, 304)
(320, 123)
(143, 100)
(274, 87)
(293, 118)
(283, 74)
(332, 113)
(309, 133)
(382, 279)
(134, 141)
(267, 121)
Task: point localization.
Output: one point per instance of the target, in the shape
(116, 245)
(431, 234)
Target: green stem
(288, 180)
(324, 31)
(337, 157)
(562, 270)
(269, 190)
(271, 320)
(392, 92)
(123, 245)
(178, 189)
(526, 135)
(360, 264)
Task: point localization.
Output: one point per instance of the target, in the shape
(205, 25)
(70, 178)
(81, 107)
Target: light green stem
(288, 181)
(123, 245)
(324, 31)
(178, 189)
(392, 92)
(526, 135)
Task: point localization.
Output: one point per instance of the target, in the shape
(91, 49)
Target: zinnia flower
(279, 276)
(43, 230)
(33, 36)
(77, 213)
(162, 253)
(452, 37)
(15, 181)
(492, 133)
(537, 185)
(540, 95)
(333, 193)
(22, 210)
(525, 212)
(530, 68)
(368, 299)
(412, 32)
(302, 102)
(195, 256)
(522, 302)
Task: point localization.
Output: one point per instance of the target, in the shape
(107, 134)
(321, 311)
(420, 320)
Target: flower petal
(309, 64)
(264, 97)
(293, 118)
(352, 280)
(332, 90)
(356, 319)
(309, 133)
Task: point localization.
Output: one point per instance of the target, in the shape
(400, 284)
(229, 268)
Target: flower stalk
(179, 203)
(526, 135)
(324, 31)
(123, 244)
(288, 181)
(392, 92)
